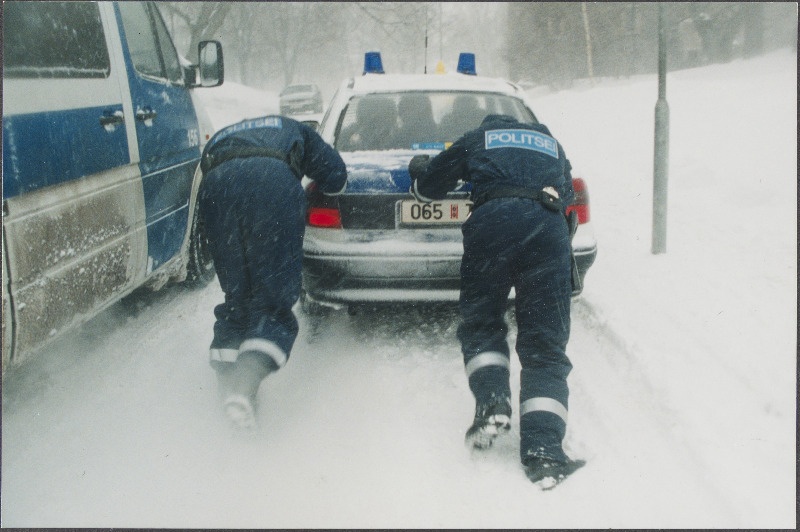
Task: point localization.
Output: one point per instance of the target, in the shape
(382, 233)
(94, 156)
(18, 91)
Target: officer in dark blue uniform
(253, 207)
(517, 236)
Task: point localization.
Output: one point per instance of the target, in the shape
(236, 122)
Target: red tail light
(324, 217)
(581, 203)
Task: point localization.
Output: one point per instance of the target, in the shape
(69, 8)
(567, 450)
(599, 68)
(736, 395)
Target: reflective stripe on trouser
(254, 212)
(488, 374)
(517, 242)
(266, 347)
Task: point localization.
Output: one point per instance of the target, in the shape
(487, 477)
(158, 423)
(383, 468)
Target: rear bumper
(377, 266)
(351, 267)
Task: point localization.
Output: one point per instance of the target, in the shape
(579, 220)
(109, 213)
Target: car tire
(200, 268)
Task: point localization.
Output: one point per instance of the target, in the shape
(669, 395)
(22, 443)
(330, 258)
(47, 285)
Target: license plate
(434, 213)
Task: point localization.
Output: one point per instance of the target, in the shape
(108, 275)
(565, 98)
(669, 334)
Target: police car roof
(372, 83)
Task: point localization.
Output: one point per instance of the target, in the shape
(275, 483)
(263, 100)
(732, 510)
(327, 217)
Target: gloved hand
(418, 165)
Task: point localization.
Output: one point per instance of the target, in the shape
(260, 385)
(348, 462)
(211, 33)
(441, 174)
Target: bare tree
(398, 28)
(203, 19)
(270, 44)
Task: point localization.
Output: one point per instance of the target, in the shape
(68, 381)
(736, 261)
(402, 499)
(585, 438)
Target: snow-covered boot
(241, 411)
(492, 418)
(224, 371)
(549, 473)
(241, 389)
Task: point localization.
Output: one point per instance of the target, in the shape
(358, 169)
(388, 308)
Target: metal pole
(425, 68)
(440, 31)
(661, 158)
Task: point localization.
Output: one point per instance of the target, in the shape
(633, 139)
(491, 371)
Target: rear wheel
(200, 268)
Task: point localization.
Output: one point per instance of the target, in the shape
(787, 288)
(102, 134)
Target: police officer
(517, 236)
(253, 207)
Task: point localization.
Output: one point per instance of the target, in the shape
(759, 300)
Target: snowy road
(118, 426)
(683, 392)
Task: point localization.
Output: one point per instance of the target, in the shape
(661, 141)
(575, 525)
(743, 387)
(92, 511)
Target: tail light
(324, 217)
(323, 211)
(581, 203)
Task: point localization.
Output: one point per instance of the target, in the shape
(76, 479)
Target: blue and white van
(102, 138)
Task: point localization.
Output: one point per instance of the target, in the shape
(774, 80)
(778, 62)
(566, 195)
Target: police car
(102, 137)
(299, 99)
(376, 243)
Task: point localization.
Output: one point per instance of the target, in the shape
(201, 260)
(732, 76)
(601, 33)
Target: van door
(166, 127)
(73, 214)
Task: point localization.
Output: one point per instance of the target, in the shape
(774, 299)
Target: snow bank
(711, 323)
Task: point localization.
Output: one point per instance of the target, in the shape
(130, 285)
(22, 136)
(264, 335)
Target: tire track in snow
(366, 387)
(623, 422)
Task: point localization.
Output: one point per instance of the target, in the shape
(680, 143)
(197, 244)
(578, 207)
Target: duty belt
(547, 199)
(552, 203)
(212, 161)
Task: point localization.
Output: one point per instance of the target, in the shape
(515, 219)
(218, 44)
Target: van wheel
(200, 269)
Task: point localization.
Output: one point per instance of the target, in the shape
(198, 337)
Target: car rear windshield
(412, 120)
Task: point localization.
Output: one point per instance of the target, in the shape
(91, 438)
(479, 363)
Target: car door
(166, 127)
(73, 215)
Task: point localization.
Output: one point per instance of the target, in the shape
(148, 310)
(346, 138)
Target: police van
(102, 137)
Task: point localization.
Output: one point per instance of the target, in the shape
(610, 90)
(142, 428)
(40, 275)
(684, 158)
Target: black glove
(418, 165)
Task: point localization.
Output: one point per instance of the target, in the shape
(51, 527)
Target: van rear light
(324, 217)
(581, 203)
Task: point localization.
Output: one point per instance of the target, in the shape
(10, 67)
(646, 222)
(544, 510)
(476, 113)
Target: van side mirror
(211, 67)
(313, 124)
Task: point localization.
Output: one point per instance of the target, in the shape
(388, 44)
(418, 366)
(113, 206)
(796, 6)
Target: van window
(171, 63)
(54, 40)
(148, 57)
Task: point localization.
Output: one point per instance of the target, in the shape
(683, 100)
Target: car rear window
(294, 89)
(412, 120)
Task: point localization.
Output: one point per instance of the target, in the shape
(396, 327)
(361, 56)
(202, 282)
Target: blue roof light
(373, 63)
(466, 63)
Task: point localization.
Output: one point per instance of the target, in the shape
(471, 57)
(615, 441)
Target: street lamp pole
(661, 157)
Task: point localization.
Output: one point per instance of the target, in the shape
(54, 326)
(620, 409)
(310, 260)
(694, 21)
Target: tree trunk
(588, 36)
(210, 21)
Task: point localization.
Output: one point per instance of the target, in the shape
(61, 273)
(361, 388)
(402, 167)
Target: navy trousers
(515, 242)
(254, 214)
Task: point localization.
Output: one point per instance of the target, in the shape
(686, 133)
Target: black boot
(549, 473)
(492, 418)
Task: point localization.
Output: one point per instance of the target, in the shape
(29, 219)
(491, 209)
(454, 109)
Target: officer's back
(282, 138)
(501, 152)
(495, 158)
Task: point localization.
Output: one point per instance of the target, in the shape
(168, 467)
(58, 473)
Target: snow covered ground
(683, 389)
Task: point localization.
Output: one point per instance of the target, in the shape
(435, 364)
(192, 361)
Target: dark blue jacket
(282, 138)
(500, 152)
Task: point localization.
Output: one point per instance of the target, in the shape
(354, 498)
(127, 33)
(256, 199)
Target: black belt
(548, 200)
(212, 161)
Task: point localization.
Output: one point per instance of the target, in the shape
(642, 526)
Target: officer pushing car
(516, 236)
(253, 207)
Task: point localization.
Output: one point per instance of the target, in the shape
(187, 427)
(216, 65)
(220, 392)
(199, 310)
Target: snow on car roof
(370, 83)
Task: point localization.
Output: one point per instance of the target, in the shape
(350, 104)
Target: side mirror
(313, 124)
(211, 70)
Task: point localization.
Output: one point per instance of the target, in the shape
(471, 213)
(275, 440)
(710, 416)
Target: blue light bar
(373, 63)
(466, 63)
